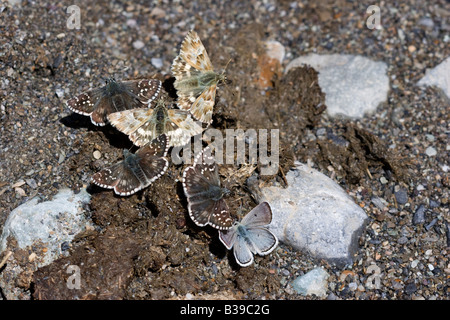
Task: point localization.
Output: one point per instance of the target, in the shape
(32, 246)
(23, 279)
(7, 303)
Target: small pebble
(379, 202)
(20, 192)
(431, 152)
(419, 215)
(32, 183)
(157, 62)
(383, 180)
(431, 224)
(410, 288)
(59, 93)
(401, 196)
(138, 44)
(97, 155)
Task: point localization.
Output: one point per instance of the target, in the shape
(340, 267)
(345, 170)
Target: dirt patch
(146, 246)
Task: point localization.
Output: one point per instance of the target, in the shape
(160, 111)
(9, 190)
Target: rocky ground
(395, 165)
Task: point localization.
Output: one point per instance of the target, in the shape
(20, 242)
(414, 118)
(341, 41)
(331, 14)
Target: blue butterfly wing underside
(250, 237)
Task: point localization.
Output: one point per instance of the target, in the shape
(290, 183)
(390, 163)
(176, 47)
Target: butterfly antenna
(226, 81)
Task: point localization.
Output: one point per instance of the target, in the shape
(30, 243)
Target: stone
(275, 50)
(354, 85)
(138, 44)
(419, 215)
(313, 214)
(313, 282)
(439, 76)
(49, 223)
(431, 152)
(401, 196)
(157, 62)
(37, 231)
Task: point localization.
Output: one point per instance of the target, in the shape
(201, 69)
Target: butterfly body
(113, 97)
(196, 84)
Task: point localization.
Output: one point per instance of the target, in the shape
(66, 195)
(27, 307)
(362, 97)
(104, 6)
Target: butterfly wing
(146, 90)
(201, 185)
(119, 177)
(194, 53)
(228, 237)
(259, 216)
(263, 241)
(197, 188)
(202, 108)
(108, 177)
(138, 124)
(152, 159)
(91, 103)
(85, 102)
(241, 250)
(181, 127)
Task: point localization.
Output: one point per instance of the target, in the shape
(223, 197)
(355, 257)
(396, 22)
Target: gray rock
(314, 214)
(431, 152)
(380, 203)
(401, 196)
(354, 85)
(439, 76)
(157, 62)
(419, 215)
(313, 282)
(50, 223)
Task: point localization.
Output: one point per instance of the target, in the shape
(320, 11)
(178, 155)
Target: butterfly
(136, 171)
(201, 184)
(114, 96)
(250, 236)
(195, 80)
(144, 124)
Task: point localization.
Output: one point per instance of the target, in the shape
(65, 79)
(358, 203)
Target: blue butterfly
(251, 236)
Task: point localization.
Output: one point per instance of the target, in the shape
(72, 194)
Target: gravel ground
(407, 243)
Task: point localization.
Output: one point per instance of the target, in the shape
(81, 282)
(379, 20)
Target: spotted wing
(138, 124)
(181, 127)
(146, 90)
(202, 108)
(194, 53)
(201, 185)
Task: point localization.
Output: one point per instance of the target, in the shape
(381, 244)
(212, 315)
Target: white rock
(313, 282)
(275, 50)
(157, 62)
(50, 223)
(431, 152)
(138, 44)
(439, 76)
(314, 214)
(353, 85)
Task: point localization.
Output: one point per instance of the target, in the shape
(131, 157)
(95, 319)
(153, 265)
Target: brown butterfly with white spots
(205, 196)
(137, 170)
(195, 79)
(114, 96)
